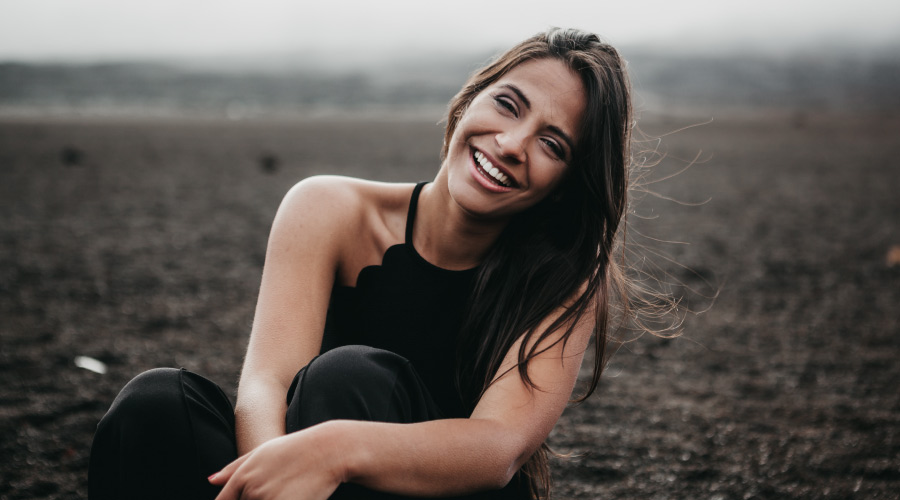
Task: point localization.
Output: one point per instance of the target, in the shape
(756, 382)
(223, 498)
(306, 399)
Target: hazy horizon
(356, 32)
(274, 57)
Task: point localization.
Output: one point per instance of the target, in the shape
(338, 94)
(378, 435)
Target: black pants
(169, 429)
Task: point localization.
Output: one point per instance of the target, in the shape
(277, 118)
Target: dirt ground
(140, 244)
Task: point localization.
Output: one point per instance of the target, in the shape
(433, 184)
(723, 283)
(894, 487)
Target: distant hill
(663, 83)
(802, 83)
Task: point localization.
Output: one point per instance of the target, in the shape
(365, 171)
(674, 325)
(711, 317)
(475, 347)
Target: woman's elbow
(508, 464)
(497, 478)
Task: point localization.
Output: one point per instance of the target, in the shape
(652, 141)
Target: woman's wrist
(332, 441)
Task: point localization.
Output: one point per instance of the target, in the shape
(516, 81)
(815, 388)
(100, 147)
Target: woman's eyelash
(506, 103)
(557, 150)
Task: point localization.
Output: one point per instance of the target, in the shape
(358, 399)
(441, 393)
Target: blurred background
(144, 149)
(278, 58)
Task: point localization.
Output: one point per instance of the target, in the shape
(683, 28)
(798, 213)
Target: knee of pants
(151, 400)
(166, 431)
(354, 382)
(352, 365)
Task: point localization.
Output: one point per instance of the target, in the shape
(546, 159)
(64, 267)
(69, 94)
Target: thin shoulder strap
(411, 215)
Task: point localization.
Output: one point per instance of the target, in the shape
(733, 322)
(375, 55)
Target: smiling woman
(413, 340)
(515, 139)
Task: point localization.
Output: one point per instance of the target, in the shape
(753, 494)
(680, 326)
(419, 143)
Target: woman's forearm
(439, 457)
(259, 414)
(435, 458)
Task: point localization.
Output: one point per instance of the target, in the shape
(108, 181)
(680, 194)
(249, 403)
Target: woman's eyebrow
(519, 93)
(553, 128)
(565, 137)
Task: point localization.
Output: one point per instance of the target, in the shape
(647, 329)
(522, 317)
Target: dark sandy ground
(141, 243)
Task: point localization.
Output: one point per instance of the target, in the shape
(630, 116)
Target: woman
(427, 337)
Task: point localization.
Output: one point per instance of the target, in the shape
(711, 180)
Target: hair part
(558, 253)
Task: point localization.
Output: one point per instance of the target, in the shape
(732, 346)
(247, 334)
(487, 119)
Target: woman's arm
(464, 455)
(301, 260)
(441, 457)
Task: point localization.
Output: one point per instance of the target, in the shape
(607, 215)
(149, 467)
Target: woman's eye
(506, 103)
(555, 149)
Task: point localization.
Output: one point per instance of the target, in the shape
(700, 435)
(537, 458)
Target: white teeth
(490, 169)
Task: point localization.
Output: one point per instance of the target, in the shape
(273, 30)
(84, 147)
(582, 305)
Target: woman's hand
(295, 466)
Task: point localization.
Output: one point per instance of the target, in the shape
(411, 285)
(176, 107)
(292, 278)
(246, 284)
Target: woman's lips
(489, 175)
(488, 168)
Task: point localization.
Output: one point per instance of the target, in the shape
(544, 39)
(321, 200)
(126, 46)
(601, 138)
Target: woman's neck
(447, 236)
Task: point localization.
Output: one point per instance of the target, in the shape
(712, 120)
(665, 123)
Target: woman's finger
(222, 477)
(231, 491)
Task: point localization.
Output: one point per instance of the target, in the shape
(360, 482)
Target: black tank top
(410, 307)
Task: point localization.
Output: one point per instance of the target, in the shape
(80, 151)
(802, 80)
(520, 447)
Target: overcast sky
(120, 29)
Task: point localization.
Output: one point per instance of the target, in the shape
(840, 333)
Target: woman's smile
(493, 177)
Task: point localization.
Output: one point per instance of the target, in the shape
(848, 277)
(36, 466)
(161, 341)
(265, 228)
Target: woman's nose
(511, 145)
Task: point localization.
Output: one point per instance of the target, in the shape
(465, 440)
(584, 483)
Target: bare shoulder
(344, 200)
(352, 220)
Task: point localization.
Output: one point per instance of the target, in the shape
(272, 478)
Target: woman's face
(513, 145)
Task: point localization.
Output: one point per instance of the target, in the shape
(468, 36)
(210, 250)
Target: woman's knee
(350, 382)
(153, 397)
(357, 364)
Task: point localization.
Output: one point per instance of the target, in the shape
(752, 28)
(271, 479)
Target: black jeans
(169, 429)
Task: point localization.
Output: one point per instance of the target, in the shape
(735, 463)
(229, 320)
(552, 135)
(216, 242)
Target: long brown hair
(559, 251)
